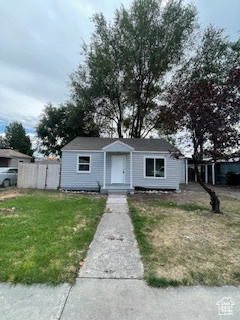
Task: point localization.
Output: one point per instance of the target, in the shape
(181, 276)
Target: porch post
(131, 170)
(213, 173)
(104, 169)
(206, 173)
(186, 171)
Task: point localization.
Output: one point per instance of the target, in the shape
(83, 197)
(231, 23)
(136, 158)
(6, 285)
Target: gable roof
(9, 153)
(95, 143)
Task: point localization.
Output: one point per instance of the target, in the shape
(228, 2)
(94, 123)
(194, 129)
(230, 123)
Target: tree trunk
(214, 202)
(119, 128)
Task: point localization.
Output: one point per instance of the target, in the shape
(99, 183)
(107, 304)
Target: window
(83, 164)
(155, 167)
(12, 171)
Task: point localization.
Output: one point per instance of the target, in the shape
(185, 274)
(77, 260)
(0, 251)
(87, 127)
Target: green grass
(185, 206)
(162, 282)
(185, 244)
(46, 236)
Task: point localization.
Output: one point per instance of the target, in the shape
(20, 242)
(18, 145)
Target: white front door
(118, 168)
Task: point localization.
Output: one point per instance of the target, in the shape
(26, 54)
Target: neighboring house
(224, 167)
(120, 165)
(214, 173)
(47, 161)
(11, 158)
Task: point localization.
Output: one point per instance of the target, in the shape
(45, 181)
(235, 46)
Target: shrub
(232, 178)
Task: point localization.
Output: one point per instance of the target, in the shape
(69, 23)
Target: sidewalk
(114, 253)
(109, 286)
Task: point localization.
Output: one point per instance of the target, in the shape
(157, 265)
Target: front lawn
(183, 243)
(44, 235)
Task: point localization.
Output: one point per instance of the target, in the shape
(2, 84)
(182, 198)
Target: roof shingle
(9, 153)
(95, 143)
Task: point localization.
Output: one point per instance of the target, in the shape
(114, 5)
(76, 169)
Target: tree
(17, 139)
(127, 62)
(3, 143)
(59, 125)
(205, 102)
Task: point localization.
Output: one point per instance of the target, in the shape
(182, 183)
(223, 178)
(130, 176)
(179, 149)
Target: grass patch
(185, 206)
(183, 243)
(161, 282)
(44, 236)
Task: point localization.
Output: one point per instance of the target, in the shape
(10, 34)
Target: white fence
(39, 176)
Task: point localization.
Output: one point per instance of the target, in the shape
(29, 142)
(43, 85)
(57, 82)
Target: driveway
(226, 191)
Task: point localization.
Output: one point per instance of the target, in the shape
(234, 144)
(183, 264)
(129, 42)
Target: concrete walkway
(109, 286)
(114, 252)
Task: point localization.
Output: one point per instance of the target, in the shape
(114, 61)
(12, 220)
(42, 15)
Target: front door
(118, 168)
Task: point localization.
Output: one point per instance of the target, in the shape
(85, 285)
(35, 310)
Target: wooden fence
(39, 176)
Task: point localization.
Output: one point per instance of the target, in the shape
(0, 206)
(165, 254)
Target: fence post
(46, 177)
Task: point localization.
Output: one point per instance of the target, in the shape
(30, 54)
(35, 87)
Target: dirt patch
(193, 246)
(10, 194)
(228, 202)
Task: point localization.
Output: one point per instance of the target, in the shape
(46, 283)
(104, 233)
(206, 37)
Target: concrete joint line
(62, 302)
(111, 279)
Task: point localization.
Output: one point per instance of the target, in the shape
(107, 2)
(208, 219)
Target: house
(11, 158)
(214, 172)
(120, 165)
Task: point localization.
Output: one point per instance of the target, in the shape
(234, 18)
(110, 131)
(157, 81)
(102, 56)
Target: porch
(117, 169)
(117, 189)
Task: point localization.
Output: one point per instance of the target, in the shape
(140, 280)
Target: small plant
(99, 186)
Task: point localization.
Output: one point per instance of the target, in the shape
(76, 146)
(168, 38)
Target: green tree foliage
(3, 143)
(204, 101)
(17, 139)
(127, 61)
(59, 125)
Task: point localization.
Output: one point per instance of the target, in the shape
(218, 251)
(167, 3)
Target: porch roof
(95, 143)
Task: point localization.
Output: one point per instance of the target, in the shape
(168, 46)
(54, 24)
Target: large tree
(204, 102)
(59, 125)
(127, 61)
(17, 139)
(3, 143)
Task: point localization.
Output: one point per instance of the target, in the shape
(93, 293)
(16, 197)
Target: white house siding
(173, 169)
(108, 167)
(72, 180)
(182, 163)
(15, 161)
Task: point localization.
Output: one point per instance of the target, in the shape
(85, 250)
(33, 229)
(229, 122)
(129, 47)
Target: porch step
(118, 191)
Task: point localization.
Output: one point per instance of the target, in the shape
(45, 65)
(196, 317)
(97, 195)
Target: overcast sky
(40, 44)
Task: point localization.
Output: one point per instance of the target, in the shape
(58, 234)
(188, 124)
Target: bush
(232, 178)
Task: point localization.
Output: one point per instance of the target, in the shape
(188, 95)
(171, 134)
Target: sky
(40, 46)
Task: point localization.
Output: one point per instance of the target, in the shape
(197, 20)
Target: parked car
(8, 177)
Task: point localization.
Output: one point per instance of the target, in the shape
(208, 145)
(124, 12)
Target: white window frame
(90, 163)
(144, 167)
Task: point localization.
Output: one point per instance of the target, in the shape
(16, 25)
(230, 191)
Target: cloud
(17, 106)
(40, 44)
(222, 14)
